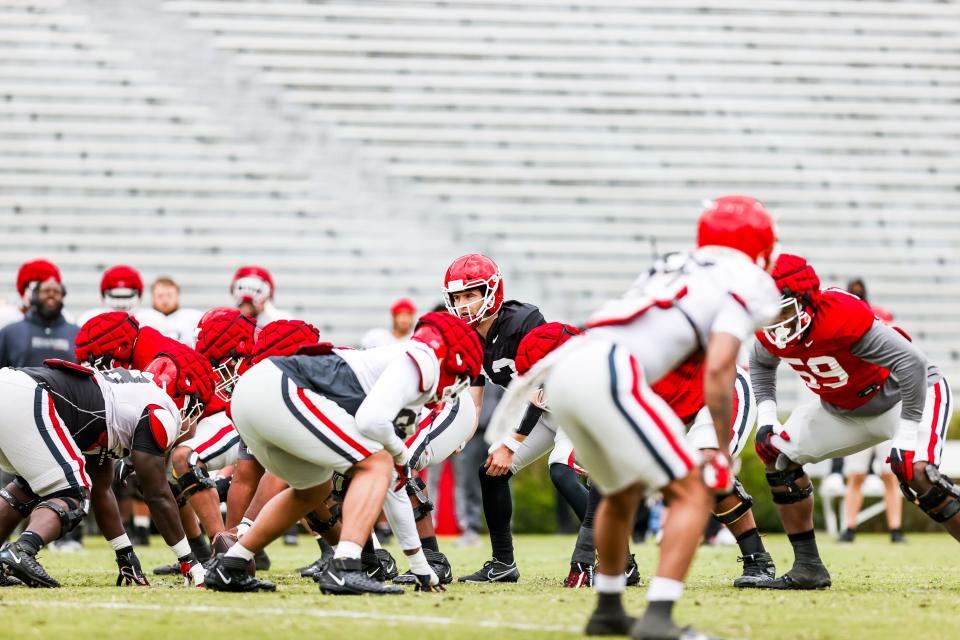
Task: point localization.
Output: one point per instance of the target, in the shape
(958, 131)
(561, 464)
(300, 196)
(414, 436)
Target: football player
(473, 291)
(626, 436)
(873, 384)
(252, 290)
(62, 426)
(306, 416)
(121, 289)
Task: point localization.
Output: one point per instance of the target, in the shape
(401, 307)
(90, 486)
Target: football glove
(901, 463)
(192, 571)
(765, 448)
(130, 571)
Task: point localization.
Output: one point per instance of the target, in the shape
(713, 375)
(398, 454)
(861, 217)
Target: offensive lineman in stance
(306, 416)
(626, 437)
(873, 383)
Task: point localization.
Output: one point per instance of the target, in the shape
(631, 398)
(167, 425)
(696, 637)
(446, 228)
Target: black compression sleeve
(530, 419)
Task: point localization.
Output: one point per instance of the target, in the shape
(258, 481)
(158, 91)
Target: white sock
(418, 563)
(120, 542)
(243, 527)
(239, 551)
(610, 584)
(348, 550)
(664, 589)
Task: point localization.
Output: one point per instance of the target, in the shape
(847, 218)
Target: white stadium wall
(354, 148)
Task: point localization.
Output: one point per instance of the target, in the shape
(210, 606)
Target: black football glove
(122, 469)
(130, 571)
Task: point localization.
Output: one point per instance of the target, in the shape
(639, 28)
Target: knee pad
(23, 507)
(743, 508)
(415, 487)
(788, 478)
(941, 501)
(72, 515)
(318, 525)
(194, 480)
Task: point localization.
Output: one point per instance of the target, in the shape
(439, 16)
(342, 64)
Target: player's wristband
(511, 443)
(120, 542)
(767, 413)
(530, 419)
(182, 548)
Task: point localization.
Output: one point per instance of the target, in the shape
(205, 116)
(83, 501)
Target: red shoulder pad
(841, 318)
(69, 367)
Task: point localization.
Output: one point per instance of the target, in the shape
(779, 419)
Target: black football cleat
(262, 561)
(848, 535)
(632, 572)
(379, 565)
(608, 623)
(437, 561)
(230, 574)
(800, 577)
(493, 571)
(757, 568)
(167, 569)
(580, 576)
(346, 576)
(7, 581)
(23, 566)
(313, 569)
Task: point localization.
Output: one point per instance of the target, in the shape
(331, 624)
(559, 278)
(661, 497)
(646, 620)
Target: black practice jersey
(514, 321)
(79, 403)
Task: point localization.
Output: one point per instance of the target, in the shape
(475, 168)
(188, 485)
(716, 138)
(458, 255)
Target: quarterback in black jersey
(473, 290)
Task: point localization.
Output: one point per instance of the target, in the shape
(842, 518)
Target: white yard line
(313, 613)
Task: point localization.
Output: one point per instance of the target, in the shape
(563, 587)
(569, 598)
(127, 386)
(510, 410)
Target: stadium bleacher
(572, 140)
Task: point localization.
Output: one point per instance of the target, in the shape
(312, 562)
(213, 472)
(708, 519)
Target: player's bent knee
(20, 497)
(69, 506)
(941, 501)
(789, 486)
(194, 478)
(730, 514)
(180, 457)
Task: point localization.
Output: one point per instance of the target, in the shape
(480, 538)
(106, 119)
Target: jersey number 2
(821, 371)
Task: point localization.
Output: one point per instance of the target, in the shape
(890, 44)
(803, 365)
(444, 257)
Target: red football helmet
(121, 287)
(252, 284)
(107, 340)
(473, 271)
(541, 341)
(186, 377)
(799, 287)
(457, 347)
(741, 223)
(283, 338)
(225, 338)
(34, 272)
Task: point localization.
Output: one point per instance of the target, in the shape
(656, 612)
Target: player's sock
(609, 592)
(241, 552)
(750, 542)
(498, 510)
(583, 551)
(567, 482)
(30, 542)
(349, 550)
(418, 563)
(200, 548)
(430, 542)
(662, 594)
(805, 547)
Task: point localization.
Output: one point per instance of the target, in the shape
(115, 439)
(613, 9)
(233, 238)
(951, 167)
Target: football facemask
(793, 322)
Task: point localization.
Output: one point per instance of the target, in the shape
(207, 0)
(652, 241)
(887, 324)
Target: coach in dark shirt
(43, 333)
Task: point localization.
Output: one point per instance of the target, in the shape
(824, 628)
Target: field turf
(880, 591)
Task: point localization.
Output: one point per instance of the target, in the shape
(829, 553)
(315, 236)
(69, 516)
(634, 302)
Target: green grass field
(880, 591)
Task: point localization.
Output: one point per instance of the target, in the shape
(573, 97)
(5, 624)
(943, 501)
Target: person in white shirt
(166, 315)
(403, 312)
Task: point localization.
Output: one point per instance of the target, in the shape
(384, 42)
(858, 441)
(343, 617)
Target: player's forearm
(106, 512)
(763, 374)
(165, 514)
(718, 396)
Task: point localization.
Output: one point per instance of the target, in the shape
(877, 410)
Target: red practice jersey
(822, 357)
